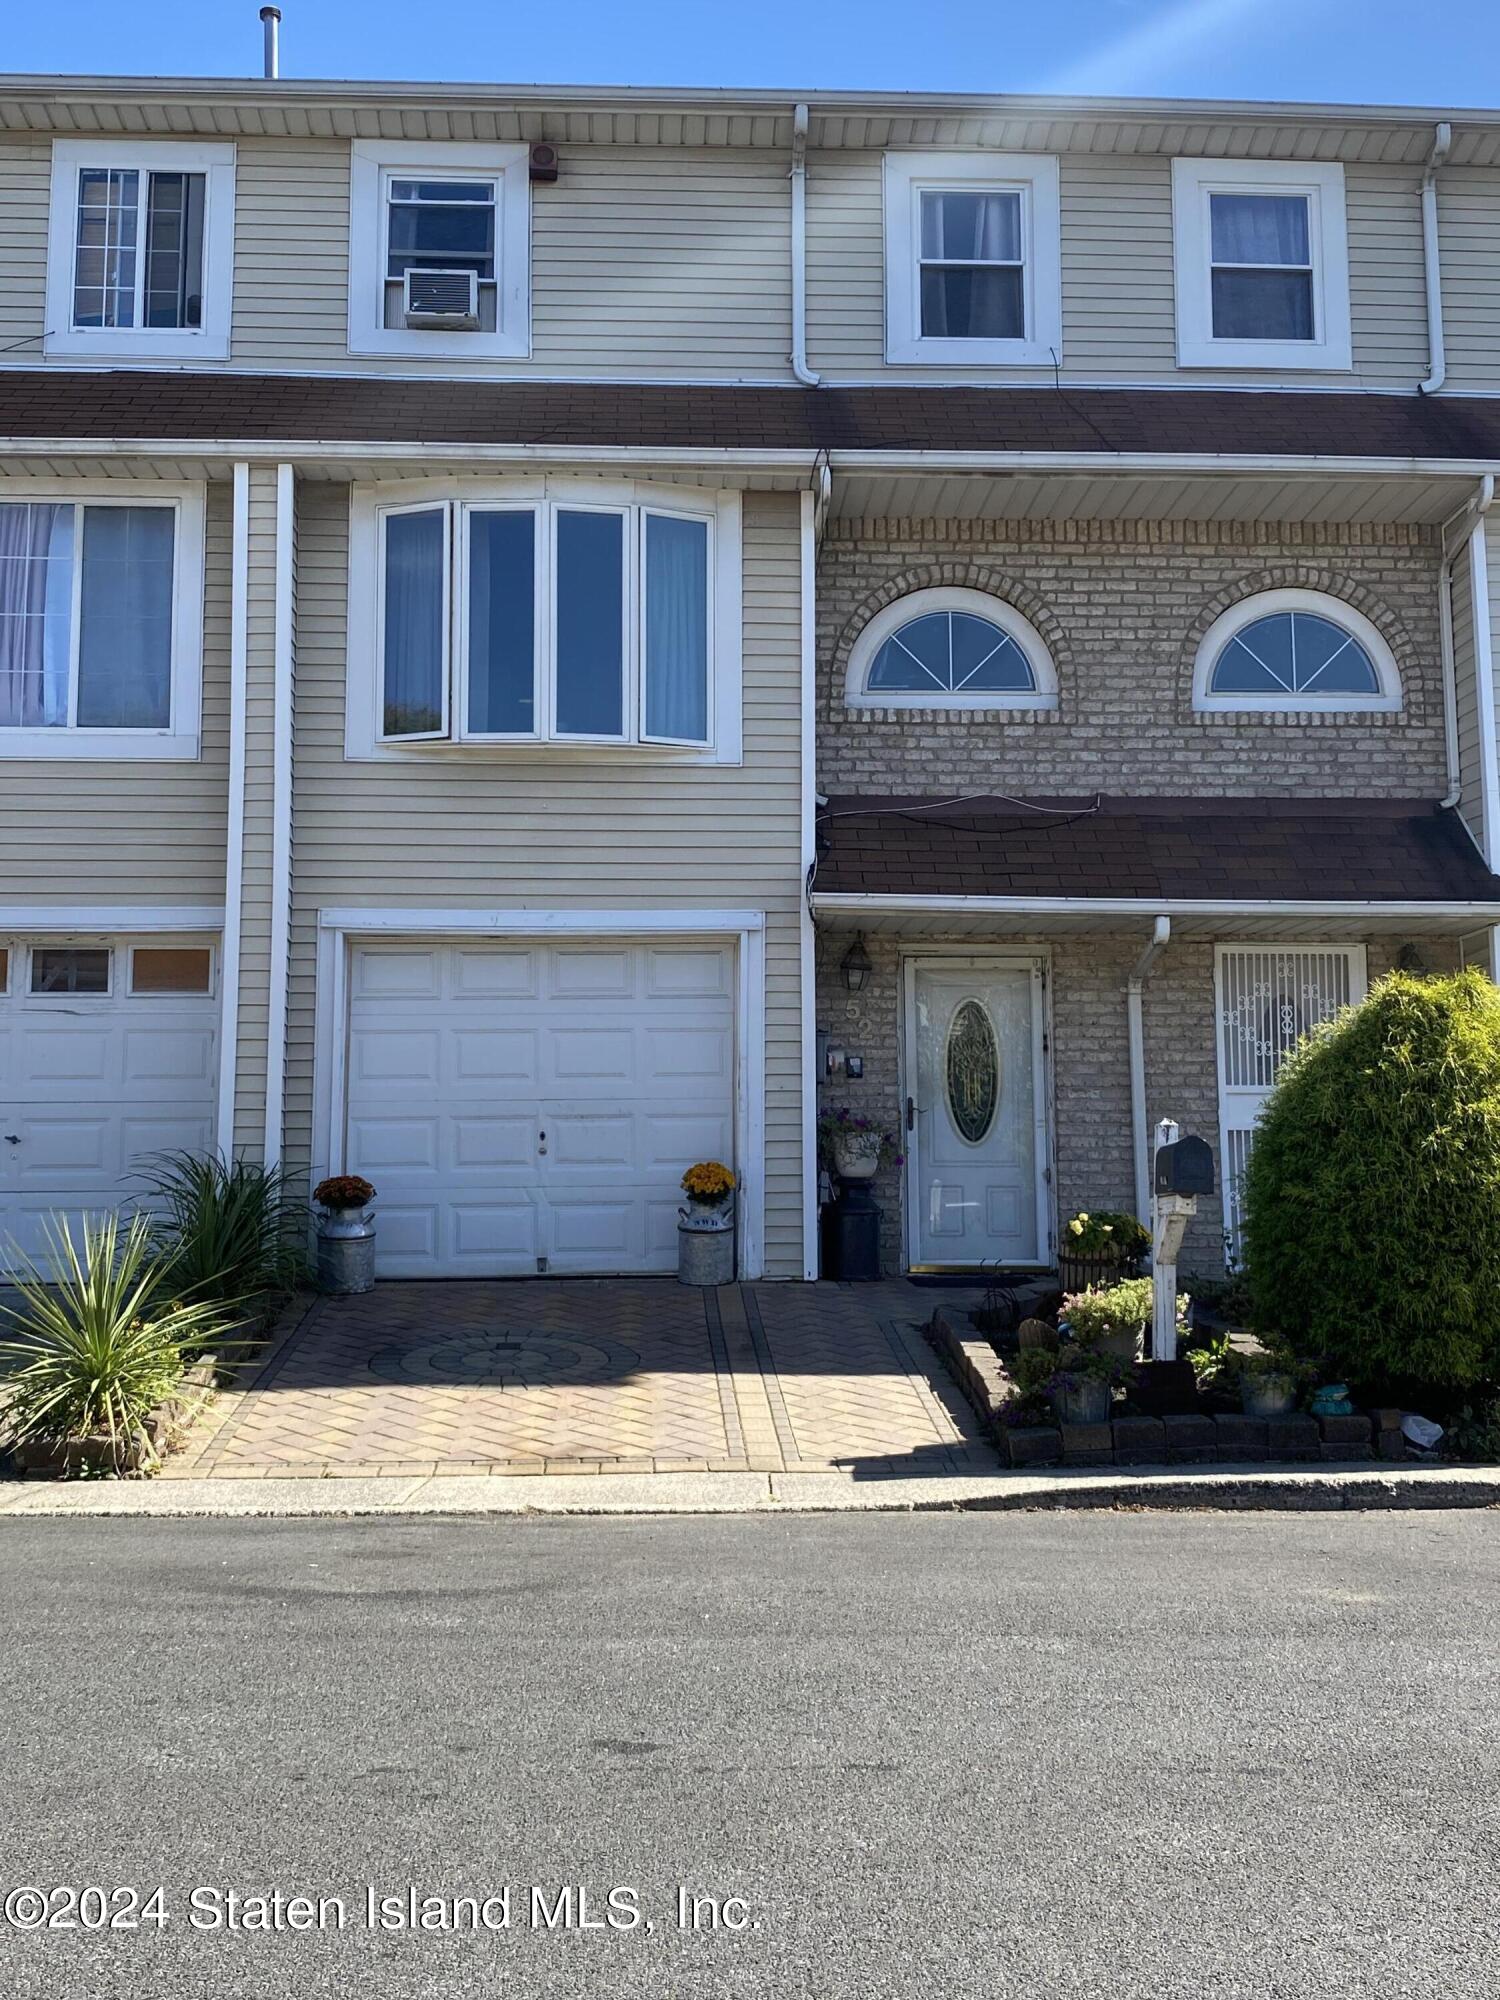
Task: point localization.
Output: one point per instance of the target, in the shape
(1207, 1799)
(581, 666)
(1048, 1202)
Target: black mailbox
(1185, 1168)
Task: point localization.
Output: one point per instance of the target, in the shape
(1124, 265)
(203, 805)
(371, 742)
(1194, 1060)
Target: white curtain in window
(676, 628)
(36, 584)
(977, 228)
(415, 563)
(1259, 229)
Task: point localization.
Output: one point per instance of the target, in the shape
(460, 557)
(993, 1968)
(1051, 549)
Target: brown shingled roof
(195, 405)
(1207, 850)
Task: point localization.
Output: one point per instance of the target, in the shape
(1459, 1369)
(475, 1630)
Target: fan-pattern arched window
(1295, 649)
(951, 648)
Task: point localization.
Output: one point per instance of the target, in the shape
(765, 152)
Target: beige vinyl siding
(1469, 232)
(120, 830)
(25, 181)
(1119, 302)
(255, 889)
(472, 832)
(646, 261)
(1470, 773)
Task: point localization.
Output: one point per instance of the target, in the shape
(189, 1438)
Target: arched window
(950, 649)
(1294, 650)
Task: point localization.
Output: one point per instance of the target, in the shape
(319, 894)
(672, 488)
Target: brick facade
(1122, 608)
(1090, 1063)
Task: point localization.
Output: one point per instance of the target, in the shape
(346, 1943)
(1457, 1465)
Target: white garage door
(105, 1060)
(527, 1107)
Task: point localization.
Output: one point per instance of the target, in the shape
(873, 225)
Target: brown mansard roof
(197, 405)
(1208, 850)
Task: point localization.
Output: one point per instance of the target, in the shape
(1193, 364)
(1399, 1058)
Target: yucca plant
(94, 1344)
(232, 1232)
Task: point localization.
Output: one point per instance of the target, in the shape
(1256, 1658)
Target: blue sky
(1397, 51)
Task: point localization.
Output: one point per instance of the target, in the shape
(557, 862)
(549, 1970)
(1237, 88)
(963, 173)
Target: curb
(1238, 1489)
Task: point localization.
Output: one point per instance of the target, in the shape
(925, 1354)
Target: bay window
(553, 617)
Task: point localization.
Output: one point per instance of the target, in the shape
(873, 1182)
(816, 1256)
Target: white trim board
(66, 919)
(281, 814)
(806, 930)
(340, 930)
(234, 860)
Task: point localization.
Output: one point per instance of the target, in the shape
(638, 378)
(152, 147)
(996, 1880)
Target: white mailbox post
(1181, 1170)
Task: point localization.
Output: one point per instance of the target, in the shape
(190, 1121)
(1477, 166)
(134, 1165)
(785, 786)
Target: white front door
(524, 1107)
(976, 1116)
(1267, 998)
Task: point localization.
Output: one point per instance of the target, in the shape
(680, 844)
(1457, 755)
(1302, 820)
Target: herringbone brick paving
(584, 1375)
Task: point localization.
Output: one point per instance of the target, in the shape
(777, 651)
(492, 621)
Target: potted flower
(1113, 1318)
(705, 1225)
(854, 1145)
(1268, 1383)
(346, 1234)
(1100, 1246)
(1081, 1387)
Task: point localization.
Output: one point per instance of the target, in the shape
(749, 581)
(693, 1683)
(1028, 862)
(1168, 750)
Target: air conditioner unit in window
(441, 299)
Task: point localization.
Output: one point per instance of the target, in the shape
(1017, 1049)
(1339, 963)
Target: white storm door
(1266, 998)
(976, 1139)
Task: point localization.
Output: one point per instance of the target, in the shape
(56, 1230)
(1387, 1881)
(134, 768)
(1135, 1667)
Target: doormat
(943, 1281)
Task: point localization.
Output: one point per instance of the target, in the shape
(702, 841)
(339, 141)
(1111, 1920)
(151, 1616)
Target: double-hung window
(972, 259)
(439, 249)
(537, 616)
(140, 249)
(1262, 264)
(100, 608)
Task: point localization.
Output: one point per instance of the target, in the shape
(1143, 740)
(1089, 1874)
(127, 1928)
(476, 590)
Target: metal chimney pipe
(271, 21)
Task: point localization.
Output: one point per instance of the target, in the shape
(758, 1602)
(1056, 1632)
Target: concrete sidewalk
(1220, 1487)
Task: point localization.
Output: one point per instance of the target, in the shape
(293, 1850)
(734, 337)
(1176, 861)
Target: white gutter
(281, 817)
(1432, 268)
(1135, 1025)
(871, 903)
(799, 249)
(234, 869)
(806, 934)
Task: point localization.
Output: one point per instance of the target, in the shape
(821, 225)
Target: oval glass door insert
(972, 1070)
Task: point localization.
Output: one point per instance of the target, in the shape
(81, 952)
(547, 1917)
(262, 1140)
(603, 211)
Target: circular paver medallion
(514, 1358)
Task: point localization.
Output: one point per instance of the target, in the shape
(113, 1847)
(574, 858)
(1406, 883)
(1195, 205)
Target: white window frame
(1193, 182)
(979, 604)
(721, 510)
(1264, 605)
(124, 344)
(1034, 176)
(372, 166)
(181, 737)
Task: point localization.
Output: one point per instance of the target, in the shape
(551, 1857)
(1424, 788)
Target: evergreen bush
(1372, 1194)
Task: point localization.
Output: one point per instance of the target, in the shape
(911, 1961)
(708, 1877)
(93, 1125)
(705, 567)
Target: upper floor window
(1295, 650)
(100, 610)
(972, 259)
(950, 649)
(1262, 264)
(439, 249)
(562, 615)
(140, 251)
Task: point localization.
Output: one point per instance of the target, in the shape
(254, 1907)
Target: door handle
(911, 1113)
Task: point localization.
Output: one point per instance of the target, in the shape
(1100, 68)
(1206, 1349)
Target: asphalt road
(936, 1755)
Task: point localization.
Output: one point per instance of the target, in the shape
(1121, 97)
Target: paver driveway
(581, 1375)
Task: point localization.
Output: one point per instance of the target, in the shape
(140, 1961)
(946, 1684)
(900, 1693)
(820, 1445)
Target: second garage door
(527, 1107)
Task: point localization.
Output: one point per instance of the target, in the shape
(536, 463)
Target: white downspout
(1471, 515)
(1437, 360)
(1135, 1021)
(799, 249)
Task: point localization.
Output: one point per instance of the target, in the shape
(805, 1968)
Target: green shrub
(93, 1346)
(1475, 1431)
(1372, 1195)
(233, 1232)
